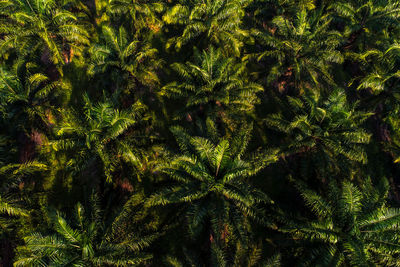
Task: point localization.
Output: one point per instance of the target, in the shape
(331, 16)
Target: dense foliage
(199, 133)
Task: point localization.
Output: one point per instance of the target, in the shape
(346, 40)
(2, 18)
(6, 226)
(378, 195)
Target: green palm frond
(326, 127)
(119, 51)
(96, 133)
(304, 49)
(217, 22)
(212, 181)
(214, 85)
(11, 210)
(346, 230)
(41, 27)
(85, 242)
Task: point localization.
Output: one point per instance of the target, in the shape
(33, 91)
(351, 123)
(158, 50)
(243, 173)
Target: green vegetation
(199, 133)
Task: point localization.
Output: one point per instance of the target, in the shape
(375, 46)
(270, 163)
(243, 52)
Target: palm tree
(326, 132)
(380, 68)
(301, 50)
(41, 28)
(365, 22)
(85, 241)
(261, 12)
(213, 86)
(27, 95)
(28, 102)
(354, 226)
(143, 14)
(15, 211)
(12, 174)
(213, 184)
(93, 137)
(208, 23)
(118, 52)
(378, 79)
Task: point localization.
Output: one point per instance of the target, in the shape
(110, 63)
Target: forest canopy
(208, 133)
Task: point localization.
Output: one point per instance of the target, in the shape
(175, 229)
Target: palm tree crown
(213, 22)
(84, 242)
(214, 85)
(213, 179)
(354, 226)
(41, 27)
(323, 129)
(303, 49)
